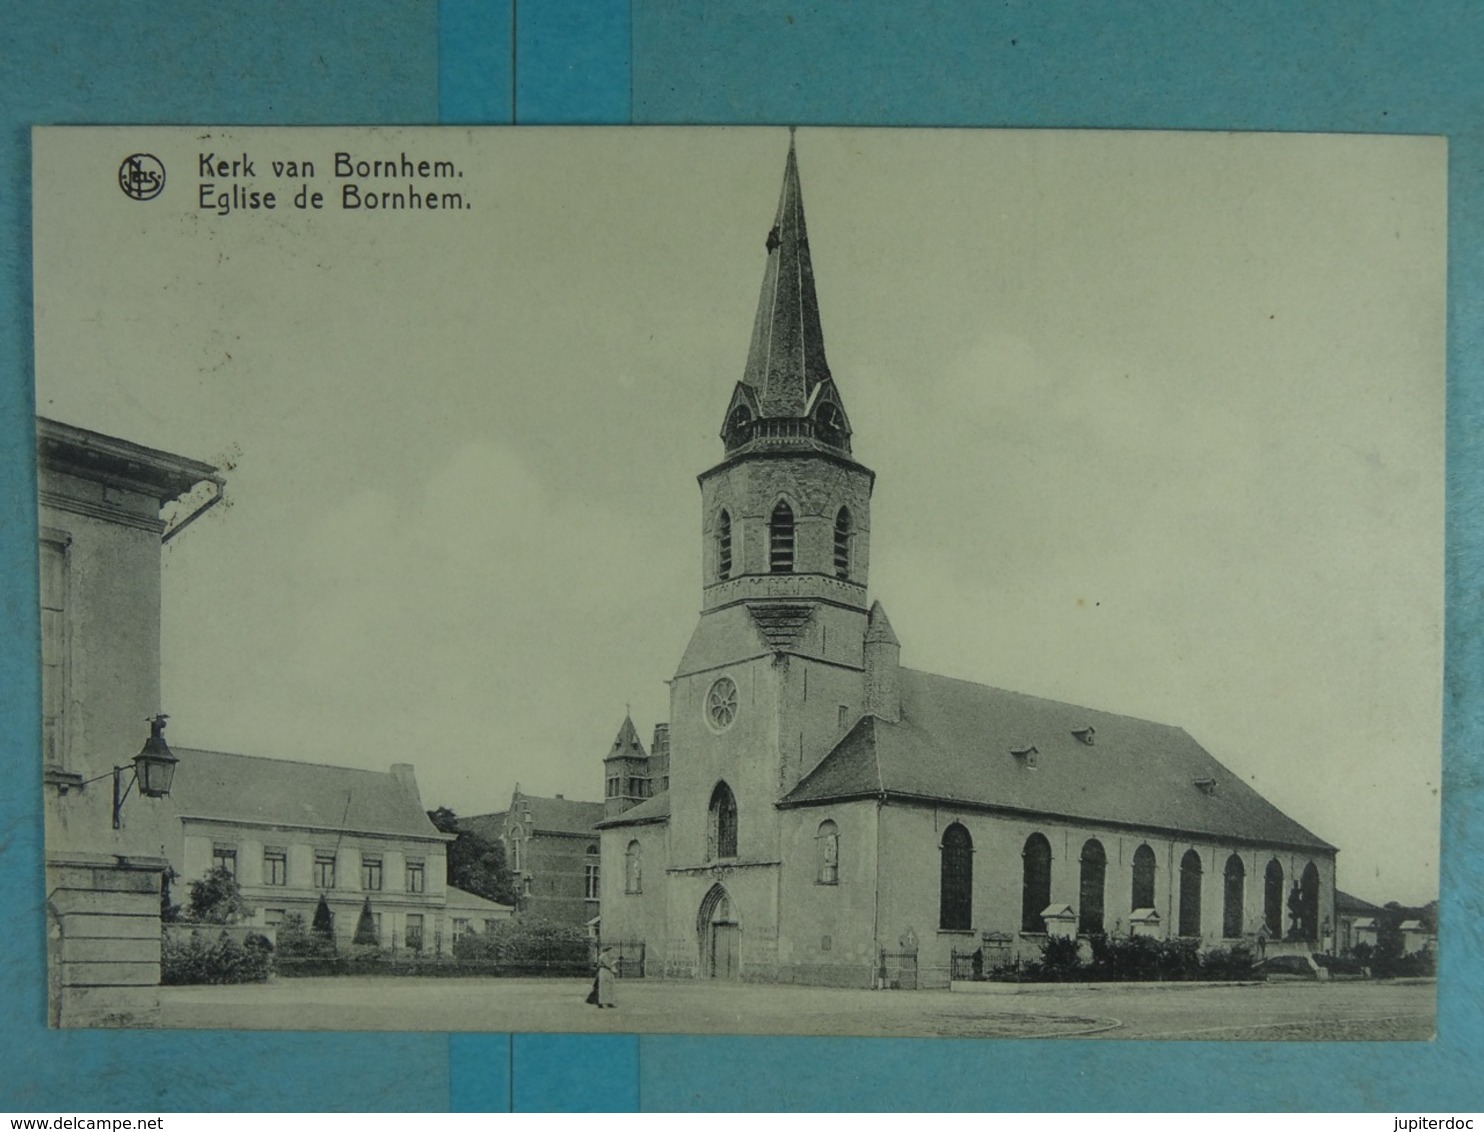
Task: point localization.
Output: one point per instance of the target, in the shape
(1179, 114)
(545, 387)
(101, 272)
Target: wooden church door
(726, 941)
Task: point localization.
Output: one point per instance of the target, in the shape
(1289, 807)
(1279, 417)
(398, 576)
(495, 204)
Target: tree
(366, 927)
(475, 863)
(216, 899)
(324, 920)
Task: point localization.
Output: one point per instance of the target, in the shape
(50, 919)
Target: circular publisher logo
(141, 176)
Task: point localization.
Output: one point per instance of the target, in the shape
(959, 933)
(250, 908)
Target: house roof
(980, 746)
(558, 815)
(214, 785)
(457, 900)
(1345, 903)
(654, 809)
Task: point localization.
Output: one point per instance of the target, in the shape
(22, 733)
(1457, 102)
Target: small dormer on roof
(1206, 785)
(1025, 754)
(1084, 735)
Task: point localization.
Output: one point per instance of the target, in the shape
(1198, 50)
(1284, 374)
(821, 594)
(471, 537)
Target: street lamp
(153, 769)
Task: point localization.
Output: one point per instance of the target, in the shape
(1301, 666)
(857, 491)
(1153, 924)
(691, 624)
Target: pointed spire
(786, 361)
(878, 628)
(627, 744)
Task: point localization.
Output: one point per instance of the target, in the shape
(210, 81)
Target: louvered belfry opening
(781, 539)
(842, 543)
(724, 546)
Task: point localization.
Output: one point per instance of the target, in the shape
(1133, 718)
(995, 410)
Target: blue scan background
(1264, 65)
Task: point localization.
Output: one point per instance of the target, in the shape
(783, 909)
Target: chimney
(404, 774)
(883, 667)
(659, 759)
(560, 798)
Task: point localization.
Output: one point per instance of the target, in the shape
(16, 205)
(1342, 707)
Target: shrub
(1233, 963)
(296, 941)
(532, 944)
(198, 959)
(1120, 958)
(1061, 961)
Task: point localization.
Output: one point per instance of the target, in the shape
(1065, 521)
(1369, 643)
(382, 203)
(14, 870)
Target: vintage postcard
(554, 579)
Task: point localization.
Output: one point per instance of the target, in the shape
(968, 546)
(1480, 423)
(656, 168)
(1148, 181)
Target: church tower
(773, 676)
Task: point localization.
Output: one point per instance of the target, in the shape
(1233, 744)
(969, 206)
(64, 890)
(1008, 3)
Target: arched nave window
(1272, 899)
(1035, 885)
(1234, 893)
(1190, 893)
(1094, 864)
(1144, 865)
(956, 889)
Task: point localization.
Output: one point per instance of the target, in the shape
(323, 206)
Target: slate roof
(954, 744)
(560, 815)
(457, 900)
(654, 809)
(786, 362)
(218, 786)
(1345, 903)
(626, 744)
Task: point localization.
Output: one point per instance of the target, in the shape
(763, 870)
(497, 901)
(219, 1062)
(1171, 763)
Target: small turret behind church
(824, 815)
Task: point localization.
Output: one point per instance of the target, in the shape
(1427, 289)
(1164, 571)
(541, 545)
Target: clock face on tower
(721, 704)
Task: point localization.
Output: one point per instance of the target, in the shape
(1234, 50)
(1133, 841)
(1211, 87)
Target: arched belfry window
(842, 543)
(722, 827)
(781, 539)
(724, 545)
(956, 889)
(827, 848)
(1272, 899)
(1035, 882)
(1233, 895)
(1190, 893)
(1143, 894)
(1090, 901)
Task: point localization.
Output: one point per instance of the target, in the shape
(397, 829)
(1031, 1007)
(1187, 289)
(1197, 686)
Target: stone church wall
(911, 836)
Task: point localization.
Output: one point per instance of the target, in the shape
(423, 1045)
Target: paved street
(1356, 1011)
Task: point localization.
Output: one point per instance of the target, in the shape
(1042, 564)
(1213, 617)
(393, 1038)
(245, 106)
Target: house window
(414, 931)
(956, 880)
(827, 852)
(515, 852)
(460, 930)
(1272, 899)
(1234, 893)
(416, 878)
(54, 652)
(324, 870)
(1190, 893)
(371, 874)
(724, 546)
(633, 868)
(590, 874)
(781, 539)
(1143, 894)
(722, 827)
(273, 917)
(842, 543)
(1090, 902)
(224, 857)
(275, 866)
(1035, 882)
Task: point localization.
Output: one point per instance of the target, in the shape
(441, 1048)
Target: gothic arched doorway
(720, 935)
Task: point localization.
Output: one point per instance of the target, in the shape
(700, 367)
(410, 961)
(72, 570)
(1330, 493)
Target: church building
(824, 815)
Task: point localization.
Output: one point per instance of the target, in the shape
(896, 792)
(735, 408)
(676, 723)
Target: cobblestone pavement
(1354, 1011)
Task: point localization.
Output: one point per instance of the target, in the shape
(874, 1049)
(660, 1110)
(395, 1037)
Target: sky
(1157, 422)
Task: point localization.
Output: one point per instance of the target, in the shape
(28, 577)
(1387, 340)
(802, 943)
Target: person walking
(603, 984)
